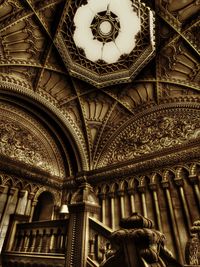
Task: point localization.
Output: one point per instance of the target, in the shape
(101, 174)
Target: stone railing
(99, 242)
(37, 242)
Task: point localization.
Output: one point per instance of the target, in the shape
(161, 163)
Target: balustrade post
(154, 188)
(165, 185)
(83, 204)
(34, 237)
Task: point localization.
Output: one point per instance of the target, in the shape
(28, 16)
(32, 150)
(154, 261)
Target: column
(112, 207)
(194, 179)
(154, 188)
(122, 207)
(29, 203)
(33, 204)
(141, 189)
(165, 185)
(21, 195)
(3, 199)
(9, 198)
(103, 207)
(83, 204)
(179, 183)
(131, 193)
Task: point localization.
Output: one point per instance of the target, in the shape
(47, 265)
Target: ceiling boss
(106, 41)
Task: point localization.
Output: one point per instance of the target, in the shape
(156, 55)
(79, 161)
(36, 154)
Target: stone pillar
(18, 208)
(194, 179)
(165, 185)
(83, 204)
(29, 203)
(5, 210)
(103, 207)
(122, 208)
(131, 193)
(153, 187)
(112, 208)
(33, 204)
(179, 183)
(141, 189)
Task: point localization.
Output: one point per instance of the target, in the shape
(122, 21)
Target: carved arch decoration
(158, 130)
(22, 137)
(56, 195)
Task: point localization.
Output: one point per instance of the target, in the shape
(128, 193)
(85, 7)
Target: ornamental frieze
(19, 143)
(153, 133)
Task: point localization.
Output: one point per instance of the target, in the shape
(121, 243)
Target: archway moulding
(74, 134)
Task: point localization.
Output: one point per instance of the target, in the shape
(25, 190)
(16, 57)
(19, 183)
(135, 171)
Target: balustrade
(41, 237)
(98, 241)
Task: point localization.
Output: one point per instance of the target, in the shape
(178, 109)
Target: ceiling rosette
(106, 42)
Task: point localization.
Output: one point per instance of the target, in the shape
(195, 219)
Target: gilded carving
(153, 133)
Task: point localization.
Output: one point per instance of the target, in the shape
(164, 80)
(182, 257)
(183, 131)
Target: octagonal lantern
(106, 42)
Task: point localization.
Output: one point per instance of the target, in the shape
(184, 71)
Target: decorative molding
(152, 132)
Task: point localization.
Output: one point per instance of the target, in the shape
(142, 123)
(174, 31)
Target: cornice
(156, 161)
(28, 172)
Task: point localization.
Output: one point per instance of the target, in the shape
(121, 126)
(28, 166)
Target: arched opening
(44, 208)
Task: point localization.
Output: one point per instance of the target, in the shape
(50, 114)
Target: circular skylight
(106, 29)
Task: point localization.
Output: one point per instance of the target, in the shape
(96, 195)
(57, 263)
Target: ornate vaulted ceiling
(33, 65)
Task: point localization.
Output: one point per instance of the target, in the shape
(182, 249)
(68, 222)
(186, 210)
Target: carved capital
(111, 195)
(120, 193)
(12, 191)
(141, 189)
(194, 179)
(131, 191)
(153, 186)
(102, 196)
(31, 196)
(179, 182)
(2, 189)
(165, 184)
(21, 193)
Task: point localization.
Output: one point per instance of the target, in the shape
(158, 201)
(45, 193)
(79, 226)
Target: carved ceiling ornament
(23, 138)
(152, 133)
(106, 42)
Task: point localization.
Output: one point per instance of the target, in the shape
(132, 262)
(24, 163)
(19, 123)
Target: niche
(44, 207)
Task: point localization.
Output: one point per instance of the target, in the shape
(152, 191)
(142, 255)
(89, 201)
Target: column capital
(31, 195)
(165, 184)
(2, 189)
(120, 193)
(141, 188)
(153, 187)
(194, 179)
(179, 182)
(102, 196)
(12, 190)
(21, 193)
(111, 194)
(131, 191)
